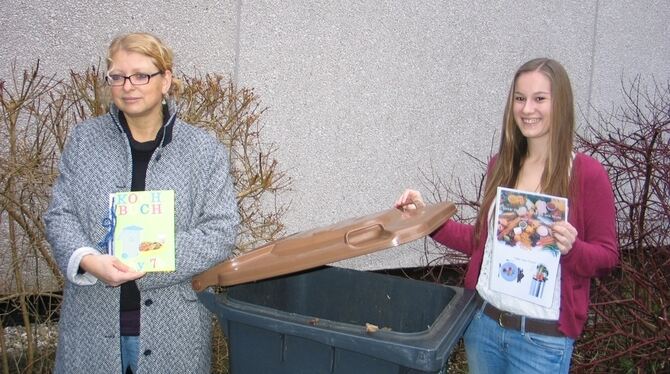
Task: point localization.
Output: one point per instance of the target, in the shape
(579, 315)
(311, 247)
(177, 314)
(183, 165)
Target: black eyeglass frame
(130, 78)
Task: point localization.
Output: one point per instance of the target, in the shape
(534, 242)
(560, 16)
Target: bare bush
(628, 326)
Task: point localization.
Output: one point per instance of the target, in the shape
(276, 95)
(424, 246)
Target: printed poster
(525, 254)
(143, 226)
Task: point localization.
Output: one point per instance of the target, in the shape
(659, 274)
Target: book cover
(143, 229)
(525, 255)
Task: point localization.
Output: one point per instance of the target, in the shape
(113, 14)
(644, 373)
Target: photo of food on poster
(525, 255)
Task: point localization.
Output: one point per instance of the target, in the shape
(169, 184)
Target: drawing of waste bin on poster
(524, 243)
(539, 279)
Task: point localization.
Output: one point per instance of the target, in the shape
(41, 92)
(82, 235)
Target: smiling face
(139, 102)
(532, 106)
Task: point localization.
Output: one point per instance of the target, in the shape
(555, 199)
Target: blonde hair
(514, 146)
(150, 46)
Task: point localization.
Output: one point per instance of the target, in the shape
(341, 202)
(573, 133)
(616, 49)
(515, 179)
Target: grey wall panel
(633, 39)
(364, 95)
(70, 34)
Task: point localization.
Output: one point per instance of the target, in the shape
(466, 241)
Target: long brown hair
(514, 146)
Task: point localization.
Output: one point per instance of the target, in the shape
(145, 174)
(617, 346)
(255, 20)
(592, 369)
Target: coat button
(148, 302)
(147, 352)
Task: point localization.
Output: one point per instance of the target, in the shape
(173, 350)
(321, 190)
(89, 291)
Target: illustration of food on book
(150, 246)
(132, 244)
(143, 229)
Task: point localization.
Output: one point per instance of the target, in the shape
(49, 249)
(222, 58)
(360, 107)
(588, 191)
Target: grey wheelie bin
(284, 312)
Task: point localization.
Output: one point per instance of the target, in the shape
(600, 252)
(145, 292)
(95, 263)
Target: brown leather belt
(513, 321)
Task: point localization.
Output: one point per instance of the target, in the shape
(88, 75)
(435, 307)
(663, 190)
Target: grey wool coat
(175, 329)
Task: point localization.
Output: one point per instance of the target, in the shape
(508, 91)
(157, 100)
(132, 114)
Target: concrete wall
(363, 95)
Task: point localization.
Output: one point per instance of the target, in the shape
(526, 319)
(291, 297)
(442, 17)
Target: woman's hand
(109, 269)
(410, 199)
(565, 235)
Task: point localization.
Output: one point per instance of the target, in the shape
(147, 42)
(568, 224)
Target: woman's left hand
(565, 235)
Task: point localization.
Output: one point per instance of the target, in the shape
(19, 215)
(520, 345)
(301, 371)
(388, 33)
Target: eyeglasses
(137, 79)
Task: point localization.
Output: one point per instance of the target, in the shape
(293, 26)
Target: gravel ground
(16, 339)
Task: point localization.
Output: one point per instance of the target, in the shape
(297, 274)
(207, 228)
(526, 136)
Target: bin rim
(323, 323)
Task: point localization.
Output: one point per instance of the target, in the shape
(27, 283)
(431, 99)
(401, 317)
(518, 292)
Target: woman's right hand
(109, 269)
(410, 199)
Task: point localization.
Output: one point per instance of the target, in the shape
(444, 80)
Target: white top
(510, 303)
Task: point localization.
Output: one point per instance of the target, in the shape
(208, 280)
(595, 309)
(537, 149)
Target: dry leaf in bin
(371, 328)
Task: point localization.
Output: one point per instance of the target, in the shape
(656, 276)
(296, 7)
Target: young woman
(509, 334)
(114, 319)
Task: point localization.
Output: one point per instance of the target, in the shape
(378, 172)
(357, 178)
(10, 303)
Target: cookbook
(525, 259)
(143, 229)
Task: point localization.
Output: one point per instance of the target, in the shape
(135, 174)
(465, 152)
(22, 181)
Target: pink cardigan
(594, 253)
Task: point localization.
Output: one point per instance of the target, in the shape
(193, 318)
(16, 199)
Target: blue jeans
(491, 348)
(130, 348)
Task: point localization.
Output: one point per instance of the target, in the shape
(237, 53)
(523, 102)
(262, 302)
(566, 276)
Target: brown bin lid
(343, 240)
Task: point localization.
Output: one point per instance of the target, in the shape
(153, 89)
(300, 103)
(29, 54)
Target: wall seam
(238, 27)
(594, 40)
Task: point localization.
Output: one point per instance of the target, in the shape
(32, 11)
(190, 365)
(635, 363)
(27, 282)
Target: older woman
(114, 319)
